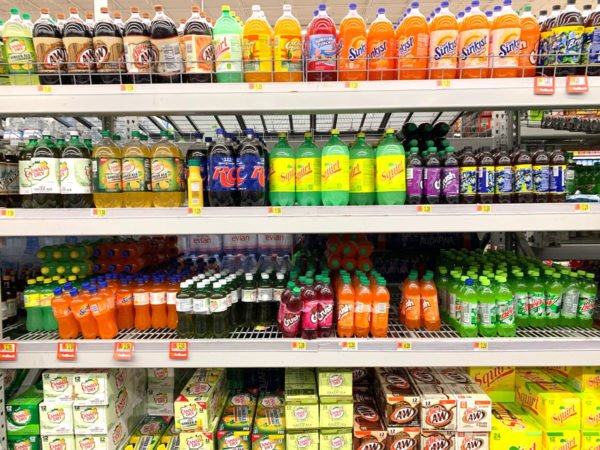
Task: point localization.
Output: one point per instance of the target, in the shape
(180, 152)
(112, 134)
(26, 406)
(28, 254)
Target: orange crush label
(288, 53)
(391, 173)
(308, 175)
(282, 177)
(506, 43)
(335, 173)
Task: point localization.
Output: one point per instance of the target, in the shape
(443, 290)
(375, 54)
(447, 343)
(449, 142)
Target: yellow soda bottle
(287, 47)
(167, 173)
(136, 176)
(257, 48)
(106, 173)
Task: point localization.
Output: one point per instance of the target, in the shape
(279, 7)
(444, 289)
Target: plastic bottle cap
(390, 131)
(296, 291)
(352, 6)
(322, 7)
(335, 132)
(469, 282)
(14, 11)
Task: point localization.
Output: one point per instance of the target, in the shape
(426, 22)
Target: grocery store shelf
(347, 219)
(290, 98)
(568, 251)
(248, 348)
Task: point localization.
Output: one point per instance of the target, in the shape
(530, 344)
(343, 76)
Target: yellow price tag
(99, 212)
(45, 89)
(352, 85)
(7, 213)
(349, 346)
(180, 345)
(484, 208)
(444, 83)
(9, 347)
(424, 209)
(404, 346)
(256, 86)
(260, 328)
(298, 346)
(68, 346)
(275, 210)
(582, 207)
(195, 211)
(125, 346)
(127, 87)
(480, 346)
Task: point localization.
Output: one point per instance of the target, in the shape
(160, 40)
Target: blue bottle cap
(352, 6)
(445, 4)
(73, 292)
(58, 291)
(414, 5)
(475, 3)
(381, 11)
(322, 7)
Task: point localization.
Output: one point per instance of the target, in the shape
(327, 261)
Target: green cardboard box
(302, 440)
(336, 439)
(16, 442)
(23, 414)
(336, 412)
(301, 408)
(335, 382)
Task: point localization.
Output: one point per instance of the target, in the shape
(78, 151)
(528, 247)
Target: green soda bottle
(554, 294)
(335, 172)
(487, 309)
(227, 43)
(468, 318)
(249, 301)
(201, 307)
(46, 295)
(441, 282)
(505, 308)
(218, 309)
(282, 173)
(570, 302)
(19, 52)
(31, 300)
(453, 286)
(183, 305)
(537, 303)
(587, 302)
(308, 173)
(362, 172)
(520, 299)
(390, 178)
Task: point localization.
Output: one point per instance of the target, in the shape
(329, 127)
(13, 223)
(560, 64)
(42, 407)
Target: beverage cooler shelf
(265, 348)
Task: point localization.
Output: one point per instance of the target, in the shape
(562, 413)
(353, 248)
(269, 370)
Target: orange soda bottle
(81, 311)
(287, 47)
(110, 297)
(412, 42)
(530, 38)
(257, 48)
(68, 328)
(430, 311)
(412, 303)
(505, 43)
(100, 306)
(352, 45)
(124, 303)
(381, 306)
(345, 308)
(363, 300)
(443, 45)
(141, 305)
(172, 317)
(364, 264)
(381, 48)
(158, 303)
(474, 44)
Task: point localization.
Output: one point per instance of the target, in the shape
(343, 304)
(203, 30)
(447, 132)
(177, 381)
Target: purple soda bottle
(290, 321)
(414, 177)
(325, 308)
(432, 177)
(310, 310)
(450, 177)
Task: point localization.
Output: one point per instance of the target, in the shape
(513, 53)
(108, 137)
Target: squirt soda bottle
(335, 172)
(352, 45)
(381, 48)
(321, 48)
(505, 43)
(474, 44)
(227, 43)
(282, 173)
(412, 43)
(390, 171)
(530, 37)
(257, 48)
(443, 45)
(308, 173)
(106, 173)
(362, 172)
(287, 48)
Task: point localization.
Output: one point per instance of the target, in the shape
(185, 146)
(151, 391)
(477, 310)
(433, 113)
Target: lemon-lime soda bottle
(520, 299)
(537, 303)
(282, 173)
(587, 301)
(390, 161)
(227, 44)
(570, 301)
(106, 173)
(469, 303)
(19, 51)
(362, 172)
(136, 173)
(335, 172)
(308, 173)
(487, 308)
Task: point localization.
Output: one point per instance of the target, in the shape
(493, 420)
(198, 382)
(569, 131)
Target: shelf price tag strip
(123, 351)
(7, 213)
(179, 350)
(66, 351)
(8, 351)
(577, 84)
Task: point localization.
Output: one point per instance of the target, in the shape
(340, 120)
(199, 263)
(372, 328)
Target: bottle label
(158, 298)
(31, 300)
(277, 293)
(414, 181)
(46, 299)
(258, 53)
(25, 180)
(521, 304)
(265, 294)
(125, 300)
(587, 302)
(199, 53)
(553, 302)
(282, 176)
(167, 174)
(325, 314)
(51, 54)
(223, 176)
(504, 179)
(335, 173)
(433, 181)
(458, 309)
(474, 49)
(570, 303)
(505, 312)
(362, 175)
(288, 53)
(391, 176)
(443, 49)
(45, 176)
(234, 296)
(200, 305)
(308, 175)
(184, 305)
(171, 298)
(310, 315)
(19, 54)
(547, 56)
(557, 179)
(505, 48)
(537, 306)
(413, 51)
(452, 305)
(322, 52)
(250, 172)
(139, 55)
(353, 52)
(468, 180)
(106, 174)
(541, 178)
(468, 316)
(523, 178)
(249, 295)
(108, 53)
(136, 174)
(567, 44)
(80, 54)
(218, 304)
(141, 298)
(10, 178)
(594, 46)
(168, 55)
(485, 180)
(228, 53)
(75, 176)
(487, 314)
(450, 181)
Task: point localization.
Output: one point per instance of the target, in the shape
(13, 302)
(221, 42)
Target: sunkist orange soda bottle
(68, 327)
(172, 291)
(141, 304)
(505, 43)
(352, 45)
(100, 306)
(412, 303)
(158, 303)
(81, 311)
(124, 303)
(474, 44)
(381, 48)
(530, 38)
(287, 47)
(443, 44)
(381, 306)
(412, 43)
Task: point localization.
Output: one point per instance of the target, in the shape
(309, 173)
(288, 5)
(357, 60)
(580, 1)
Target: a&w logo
(404, 444)
(472, 443)
(473, 415)
(437, 442)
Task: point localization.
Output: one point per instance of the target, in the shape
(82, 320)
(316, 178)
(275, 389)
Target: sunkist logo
(355, 53)
(510, 47)
(378, 51)
(473, 48)
(445, 50)
(564, 415)
(405, 47)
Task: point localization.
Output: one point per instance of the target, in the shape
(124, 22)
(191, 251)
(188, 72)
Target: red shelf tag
(8, 351)
(123, 351)
(543, 85)
(179, 350)
(577, 84)
(66, 351)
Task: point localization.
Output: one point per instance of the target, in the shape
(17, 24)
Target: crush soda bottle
(335, 180)
(308, 173)
(310, 310)
(282, 176)
(326, 307)
(291, 318)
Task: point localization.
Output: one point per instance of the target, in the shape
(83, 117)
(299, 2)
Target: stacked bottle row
(475, 44)
(493, 293)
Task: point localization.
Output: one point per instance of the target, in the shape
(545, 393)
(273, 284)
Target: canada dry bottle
(45, 175)
(76, 174)
(167, 173)
(137, 190)
(106, 173)
(49, 49)
(25, 155)
(139, 56)
(77, 38)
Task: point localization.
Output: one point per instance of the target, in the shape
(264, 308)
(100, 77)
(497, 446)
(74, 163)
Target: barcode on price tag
(179, 350)
(123, 351)
(66, 351)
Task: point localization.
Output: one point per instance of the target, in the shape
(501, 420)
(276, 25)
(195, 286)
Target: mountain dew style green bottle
(282, 173)
(505, 308)
(486, 308)
(335, 177)
(390, 171)
(554, 294)
(362, 172)
(308, 173)
(570, 301)
(537, 300)
(520, 299)
(469, 304)
(587, 301)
